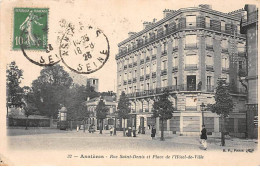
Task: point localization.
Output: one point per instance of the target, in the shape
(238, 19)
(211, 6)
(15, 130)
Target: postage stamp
(30, 28)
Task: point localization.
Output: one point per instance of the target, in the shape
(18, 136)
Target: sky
(116, 21)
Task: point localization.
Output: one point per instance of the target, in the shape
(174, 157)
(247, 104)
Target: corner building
(186, 52)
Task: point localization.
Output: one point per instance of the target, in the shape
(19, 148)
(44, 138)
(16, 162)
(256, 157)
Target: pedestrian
(203, 137)
(111, 131)
(153, 132)
(134, 131)
(77, 127)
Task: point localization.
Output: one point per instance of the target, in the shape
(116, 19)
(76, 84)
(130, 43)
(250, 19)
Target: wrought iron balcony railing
(164, 52)
(129, 81)
(125, 82)
(130, 65)
(209, 47)
(134, 64)
(154, 75)
(191, 108)
(209, 68)
(191, 46)
(163, 72)
(147, 59)
(242, 53)
(175, 49)
(141, 61)
(210, 88)
(224, 50)
(153, 57)
(125, 67)
(134, 80)
(147, 76)
(142, 78)
(174, 69)
(191, 66)
(225, 70)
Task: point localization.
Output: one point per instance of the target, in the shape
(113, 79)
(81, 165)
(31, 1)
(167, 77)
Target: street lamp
(202, 108)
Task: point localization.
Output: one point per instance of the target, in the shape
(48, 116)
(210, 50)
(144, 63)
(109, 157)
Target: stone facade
(185, 52)
(249, 26)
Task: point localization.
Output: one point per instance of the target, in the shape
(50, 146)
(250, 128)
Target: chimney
(205, 6)
(130, 34)
(167, 12)
(154, 20)
(146, 24)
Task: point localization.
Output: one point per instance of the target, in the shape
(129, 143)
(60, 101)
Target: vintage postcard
(133, 82)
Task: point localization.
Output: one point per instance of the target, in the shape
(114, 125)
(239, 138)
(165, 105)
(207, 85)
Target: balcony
(164, 53)
(153, 57)
(190, 108)
(147, 76)
(224, 50)
(134, 80)
(130, 65)
(191, 46)
(175, 49)
(209, 47)
(174, 69)
(154, 75)
(163, 72)
(129, 81)
(125, 67)
(191, 67)
(209, 68)
(147, 59)
(173, 30)
(141, 78)
(210, 88)
(134, 64)
(225, 70)
(141, 61)
(125, 82)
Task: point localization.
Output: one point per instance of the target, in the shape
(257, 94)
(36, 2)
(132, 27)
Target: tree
(101, 111)
(14, 91)
(163, 109)
(91, 93)
(29, 106)
(75, 104)
(51, 89)
(123, 109)
(223, 105)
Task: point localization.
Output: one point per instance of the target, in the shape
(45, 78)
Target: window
(147, 69)
(164, 47)
(142, 87)
(175, 62)
(241, 47)
(208, 80)
(154, 67)
(174, 43)
(130, 75)
(223, 25)
(164, 65)
(134, 88)
(190, 21)
(191, 39)
(225, 62)
(207, 20)
(120, 79)
(125, 76)
(142, 71)
(130, 90)
(240, 64)
(130, 60)
(209, 40)
(209, 60)
(154, 85)
(147, 86)
(142, 55)
(135, 72)
(191, 60)
(135, 58)
(175, 81)
(164, 83)
(224, 44)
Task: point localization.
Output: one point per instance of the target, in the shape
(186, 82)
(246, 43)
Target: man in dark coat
(153, 132)
(204, 137)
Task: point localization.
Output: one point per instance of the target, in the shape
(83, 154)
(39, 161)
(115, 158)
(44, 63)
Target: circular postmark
(83, 48)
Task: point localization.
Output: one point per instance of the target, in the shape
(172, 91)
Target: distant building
(186, 52)
(110, 102)
(249, 26)
(94, 82)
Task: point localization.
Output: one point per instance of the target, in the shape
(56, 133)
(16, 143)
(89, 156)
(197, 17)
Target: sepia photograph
(143, 83)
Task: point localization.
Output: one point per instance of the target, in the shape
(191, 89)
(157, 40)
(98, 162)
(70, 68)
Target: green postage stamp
(30, 28)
